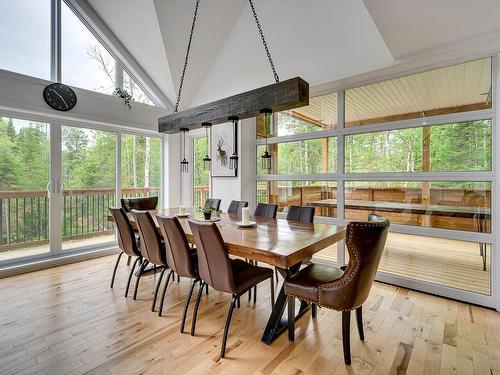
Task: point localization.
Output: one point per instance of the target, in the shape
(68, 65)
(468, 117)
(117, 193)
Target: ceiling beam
(289, 94)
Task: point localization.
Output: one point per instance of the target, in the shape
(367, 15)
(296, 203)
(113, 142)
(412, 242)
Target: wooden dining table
(280, 243)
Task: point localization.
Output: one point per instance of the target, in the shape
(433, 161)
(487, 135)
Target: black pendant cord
(186, 60)
(276, 77)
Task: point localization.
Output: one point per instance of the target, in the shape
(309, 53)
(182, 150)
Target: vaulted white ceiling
(319, 40)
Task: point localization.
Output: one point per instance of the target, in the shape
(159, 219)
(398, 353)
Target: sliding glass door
(24, 174)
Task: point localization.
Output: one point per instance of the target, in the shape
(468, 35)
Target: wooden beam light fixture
(280, 96)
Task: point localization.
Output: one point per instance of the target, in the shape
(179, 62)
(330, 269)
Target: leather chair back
(151, 246)
(126, 236)
(304, 214)
(236, 206)
(266, 210)
(213, 202)
(177, 248)
(141, 204)
(214, 265)
(365, 242)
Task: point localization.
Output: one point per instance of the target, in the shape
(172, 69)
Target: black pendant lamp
(184, 162)
(266, 156)
(206, 160)
(233, 159)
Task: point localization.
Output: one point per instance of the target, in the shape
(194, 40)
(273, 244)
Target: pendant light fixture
(266, 156)
(207, 161)
(233, 159)
(184, 162)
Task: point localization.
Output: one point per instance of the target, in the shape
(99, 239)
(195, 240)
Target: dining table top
(278, 242)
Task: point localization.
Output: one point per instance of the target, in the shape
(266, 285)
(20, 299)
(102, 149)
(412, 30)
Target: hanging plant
(127, 98)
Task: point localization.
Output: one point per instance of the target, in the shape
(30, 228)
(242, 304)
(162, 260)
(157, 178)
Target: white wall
(22, 96)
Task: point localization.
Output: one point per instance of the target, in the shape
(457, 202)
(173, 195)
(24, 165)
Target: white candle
(245, 213)
(182, 210)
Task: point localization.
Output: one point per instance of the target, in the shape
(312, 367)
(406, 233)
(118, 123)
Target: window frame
(341, 177)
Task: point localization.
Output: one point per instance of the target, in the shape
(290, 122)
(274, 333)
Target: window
(25, 37)
(428, 167)
(452, 89)
(464, 146)
(85, 61)
(303, 157)
(140, 166)
(134, 90)
(201, 176)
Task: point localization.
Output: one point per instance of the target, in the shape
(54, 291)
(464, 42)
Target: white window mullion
(340, 171)
(55, 40)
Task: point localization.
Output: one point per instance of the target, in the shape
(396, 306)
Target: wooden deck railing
(201, 194)
(24, 215)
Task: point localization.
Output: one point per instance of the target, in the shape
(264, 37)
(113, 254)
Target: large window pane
(24, 174)
(88, 160)
(201, 176)
(457, 88)
(138, 95)
(320, 114)
(301, 193)
(447, 205)
(85, 61)
(303, 157)
(25, 37)
(141, 173)
(456, 264)
(464, 146)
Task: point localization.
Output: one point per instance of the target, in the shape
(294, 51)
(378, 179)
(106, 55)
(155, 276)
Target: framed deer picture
(222, 147)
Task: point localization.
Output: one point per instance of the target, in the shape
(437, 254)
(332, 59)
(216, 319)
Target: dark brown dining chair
(268, 210)
(181, 258)
(222, 273)
(128, 242)
(213, 202)
(236, 206)
(341, 290)
(152, 249)
(140, 204)
(303, 214)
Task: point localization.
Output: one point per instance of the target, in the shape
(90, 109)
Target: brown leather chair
(181, 258)
(222, 273)
(304, 214)
(141, 204)
(341, 290)
(268, 210)
(236, 206)
(153, 251)
(213, 202)
(128, 242)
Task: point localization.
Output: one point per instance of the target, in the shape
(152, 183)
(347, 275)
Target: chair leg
(206, 289)
(196, 305)
(346, 336)
(276, 275)
(186, 305)
(226, 327)
(129, 260)
(291, 318)
(178, 279)
(255, 294)
(314, 310)
(238, 302)
(164, 292)
(141, 271)
(249, 294)
(359, 321)
(272, 291)
(114, 270)
(157, 288)
(131, 273)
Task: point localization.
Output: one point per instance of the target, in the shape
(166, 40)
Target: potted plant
(207, 212)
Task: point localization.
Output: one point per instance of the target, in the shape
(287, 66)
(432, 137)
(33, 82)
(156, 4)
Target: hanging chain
(187, 56)
(276, 78)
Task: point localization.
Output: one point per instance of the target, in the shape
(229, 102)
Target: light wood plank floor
(66, 320)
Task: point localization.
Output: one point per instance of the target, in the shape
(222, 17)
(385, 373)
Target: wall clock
(59, 96)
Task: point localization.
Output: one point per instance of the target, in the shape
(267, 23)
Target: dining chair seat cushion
(247, 275)
(305, 283)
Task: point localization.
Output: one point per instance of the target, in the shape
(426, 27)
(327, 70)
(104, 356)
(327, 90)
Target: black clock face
(59, 96)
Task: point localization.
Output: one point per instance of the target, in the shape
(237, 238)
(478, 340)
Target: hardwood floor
(66, 320)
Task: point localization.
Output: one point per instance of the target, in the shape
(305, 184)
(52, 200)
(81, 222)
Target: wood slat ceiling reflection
(461, 87)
